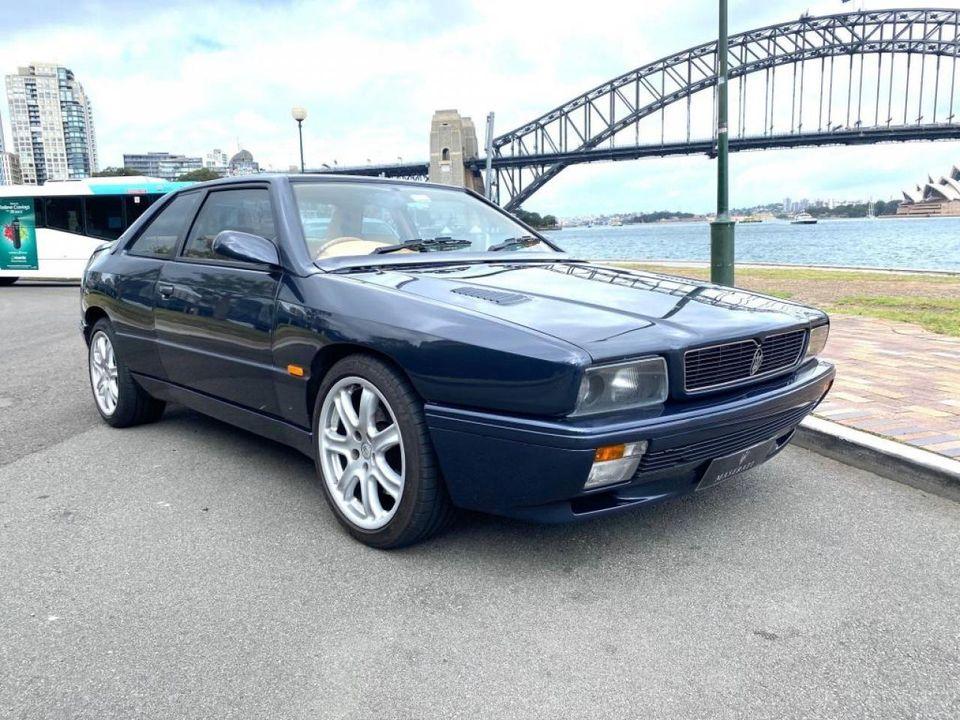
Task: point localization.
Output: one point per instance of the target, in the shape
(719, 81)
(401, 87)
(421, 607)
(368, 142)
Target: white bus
(47, 232)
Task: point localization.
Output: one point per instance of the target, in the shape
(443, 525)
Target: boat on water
(616, 222)
(803, 219)
(750, 219)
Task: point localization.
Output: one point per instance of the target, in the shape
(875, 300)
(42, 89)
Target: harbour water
(916, 243)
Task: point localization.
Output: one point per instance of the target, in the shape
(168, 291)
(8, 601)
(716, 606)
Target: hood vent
(498, 297)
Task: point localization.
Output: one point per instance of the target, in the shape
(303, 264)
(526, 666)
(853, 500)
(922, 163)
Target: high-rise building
(217, 160)
(51, 123)
(10, 169)
(161, 164)
(9, 165)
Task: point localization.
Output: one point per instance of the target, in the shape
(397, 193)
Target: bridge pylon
(453, 142)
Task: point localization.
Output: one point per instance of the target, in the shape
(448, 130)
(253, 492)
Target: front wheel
(374, 455)
(120, 401)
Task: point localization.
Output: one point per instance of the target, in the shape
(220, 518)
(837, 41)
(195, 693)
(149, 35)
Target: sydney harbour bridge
(846, 79)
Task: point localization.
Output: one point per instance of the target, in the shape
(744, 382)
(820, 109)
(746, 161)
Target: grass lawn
(931, 301)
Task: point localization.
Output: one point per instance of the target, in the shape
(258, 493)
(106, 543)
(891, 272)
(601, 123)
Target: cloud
(187, 77)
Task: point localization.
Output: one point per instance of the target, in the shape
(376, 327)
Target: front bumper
(535, 469)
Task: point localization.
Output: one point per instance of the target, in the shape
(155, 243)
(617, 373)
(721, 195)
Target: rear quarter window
(161, 235)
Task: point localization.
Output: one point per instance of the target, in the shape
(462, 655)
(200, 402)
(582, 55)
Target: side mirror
(246, 247)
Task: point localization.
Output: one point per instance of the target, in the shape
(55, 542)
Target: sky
(186, 77)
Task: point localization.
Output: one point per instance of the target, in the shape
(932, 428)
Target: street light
(722, 228)
(299, 114)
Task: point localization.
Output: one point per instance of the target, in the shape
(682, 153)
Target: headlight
(622, 386)
(818, 340)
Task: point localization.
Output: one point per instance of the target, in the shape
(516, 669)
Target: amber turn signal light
(295, 370)
(609, 452)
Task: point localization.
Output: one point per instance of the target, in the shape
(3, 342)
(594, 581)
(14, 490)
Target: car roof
(318, 178)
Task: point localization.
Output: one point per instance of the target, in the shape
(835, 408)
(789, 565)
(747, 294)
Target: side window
(247, 210)
(160, 237)
(65, 213)
(104, 216)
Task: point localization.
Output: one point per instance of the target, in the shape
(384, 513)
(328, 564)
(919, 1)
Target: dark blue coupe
(429, 352)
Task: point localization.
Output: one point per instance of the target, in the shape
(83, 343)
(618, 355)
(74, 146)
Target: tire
(5, 281)
(131, 405)
(359, 460)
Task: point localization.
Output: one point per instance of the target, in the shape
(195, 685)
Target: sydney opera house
(935, 197)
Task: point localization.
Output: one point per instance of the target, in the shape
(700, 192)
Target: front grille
(737, 437)
(731, 363)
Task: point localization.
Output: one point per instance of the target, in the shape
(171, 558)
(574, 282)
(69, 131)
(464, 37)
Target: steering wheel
(348, 245)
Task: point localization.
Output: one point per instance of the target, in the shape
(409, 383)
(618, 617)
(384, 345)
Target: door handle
(165, 290)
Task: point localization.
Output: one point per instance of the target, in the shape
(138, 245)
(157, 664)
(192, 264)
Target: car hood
(608, 312)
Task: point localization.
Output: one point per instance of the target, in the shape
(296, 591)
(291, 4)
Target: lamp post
(722, 228)
(299, 114)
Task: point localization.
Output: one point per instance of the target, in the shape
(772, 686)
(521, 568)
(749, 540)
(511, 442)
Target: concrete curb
(906, 464)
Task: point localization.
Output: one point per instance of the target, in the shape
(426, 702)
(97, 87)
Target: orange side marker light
(295, 370)
(609, 452)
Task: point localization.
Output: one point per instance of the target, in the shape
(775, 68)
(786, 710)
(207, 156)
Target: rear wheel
(120, 401)
(7, 281)
(374, 455)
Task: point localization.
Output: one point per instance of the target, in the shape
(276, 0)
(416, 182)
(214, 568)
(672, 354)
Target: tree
(198, 175)
(534, 220)
(888, 207)
(115, 172)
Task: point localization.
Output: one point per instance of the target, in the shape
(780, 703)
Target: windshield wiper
(517, 242)
(424, 245)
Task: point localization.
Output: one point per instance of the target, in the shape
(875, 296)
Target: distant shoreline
(701, 221)
(786, 266)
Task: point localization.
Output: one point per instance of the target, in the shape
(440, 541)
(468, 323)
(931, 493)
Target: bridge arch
(528, 157)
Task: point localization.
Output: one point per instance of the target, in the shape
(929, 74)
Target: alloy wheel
(361, 453)
(103, 373)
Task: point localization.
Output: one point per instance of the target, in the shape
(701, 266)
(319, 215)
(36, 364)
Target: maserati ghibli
(431, 352)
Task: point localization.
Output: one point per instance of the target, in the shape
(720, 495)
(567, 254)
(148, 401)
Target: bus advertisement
(18, 248)
(48, 232)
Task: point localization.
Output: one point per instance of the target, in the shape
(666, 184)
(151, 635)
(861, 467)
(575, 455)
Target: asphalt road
(190, 570)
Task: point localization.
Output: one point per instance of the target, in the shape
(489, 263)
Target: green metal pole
(721, 229)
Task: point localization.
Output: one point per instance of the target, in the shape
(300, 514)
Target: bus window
(65, 213)
(104, 216)
(39, 210)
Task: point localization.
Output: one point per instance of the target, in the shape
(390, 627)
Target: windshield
(343, 219)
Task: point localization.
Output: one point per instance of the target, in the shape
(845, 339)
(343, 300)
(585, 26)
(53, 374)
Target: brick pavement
(896, 380)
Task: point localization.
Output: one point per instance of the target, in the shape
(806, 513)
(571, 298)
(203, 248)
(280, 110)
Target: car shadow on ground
(566, 546)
